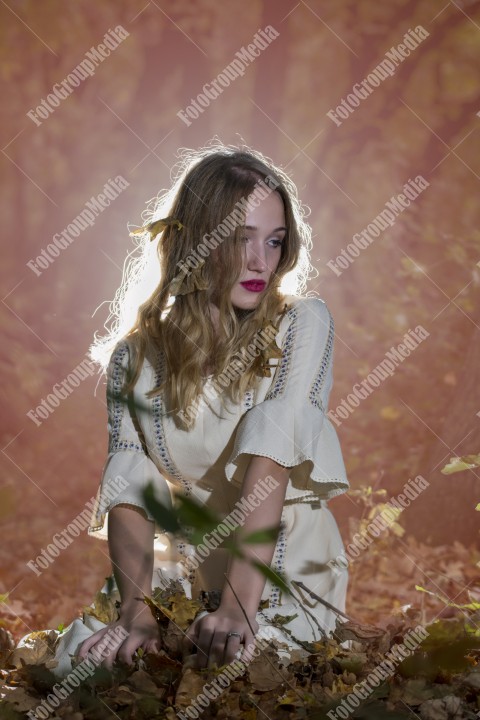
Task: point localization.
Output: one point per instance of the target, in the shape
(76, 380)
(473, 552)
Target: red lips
(254, 285)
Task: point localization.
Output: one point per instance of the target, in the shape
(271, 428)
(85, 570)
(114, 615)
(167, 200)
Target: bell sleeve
(128, 468)
(291, 424)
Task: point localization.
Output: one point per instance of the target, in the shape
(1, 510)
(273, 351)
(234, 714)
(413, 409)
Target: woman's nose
(256, 259)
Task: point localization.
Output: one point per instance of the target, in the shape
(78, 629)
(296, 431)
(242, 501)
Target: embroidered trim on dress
(310, 499)
(278, 563)
(100, 515)
(285, 363)
(318, 382)
(248, 400)
(118, 406)
(191, 571)
(158, 410)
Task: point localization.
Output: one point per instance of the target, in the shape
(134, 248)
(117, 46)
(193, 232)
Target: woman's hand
(130, 540)
(143, 632)
(209, 634)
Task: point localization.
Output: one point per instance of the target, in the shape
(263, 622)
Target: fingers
(202, 639)
(87, 644)
(95, 648)
(219, 647)
(216, 645)
(189, 640)
(206, 649)
(231, 647)
(127, 650)
(138, 639)
(249, 649)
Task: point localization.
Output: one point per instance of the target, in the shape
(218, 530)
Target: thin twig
(324, 602)
(261, 649)
(308, 612)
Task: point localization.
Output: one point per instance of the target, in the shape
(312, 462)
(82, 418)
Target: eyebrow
(254, 227)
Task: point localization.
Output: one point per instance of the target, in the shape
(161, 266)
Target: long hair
(210, 183)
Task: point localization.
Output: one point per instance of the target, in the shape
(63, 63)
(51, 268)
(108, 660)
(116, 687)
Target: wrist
(231, 606)
(130, 607)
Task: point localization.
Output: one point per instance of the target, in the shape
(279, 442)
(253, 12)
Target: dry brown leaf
(38, 648)
(19, 698)
(103, 609)
(142, 682)
(190, 686)
(262, 675)
(172, 640)
(124, 695)
(357, 631)
(7, 644)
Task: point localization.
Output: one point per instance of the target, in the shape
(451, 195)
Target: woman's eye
(277, 242)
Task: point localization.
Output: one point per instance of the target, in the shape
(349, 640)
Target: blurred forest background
(123, 121)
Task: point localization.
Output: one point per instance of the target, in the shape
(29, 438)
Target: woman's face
(262, 247)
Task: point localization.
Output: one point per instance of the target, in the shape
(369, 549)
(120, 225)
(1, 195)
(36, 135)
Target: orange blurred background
(423, 119)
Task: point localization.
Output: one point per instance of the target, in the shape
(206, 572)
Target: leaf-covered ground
(440, 680)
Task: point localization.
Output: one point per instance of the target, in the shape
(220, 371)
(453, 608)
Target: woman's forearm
(130, 540)
(246, 580)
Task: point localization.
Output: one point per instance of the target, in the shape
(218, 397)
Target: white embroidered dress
(284, 418)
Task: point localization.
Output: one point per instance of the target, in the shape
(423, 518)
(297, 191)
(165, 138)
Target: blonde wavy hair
(207, 185)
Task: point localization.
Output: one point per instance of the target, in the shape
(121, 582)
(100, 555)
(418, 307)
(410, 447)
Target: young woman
(227, 368)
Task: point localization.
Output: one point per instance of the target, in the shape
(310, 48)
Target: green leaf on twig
(163, 516)
(465, 606)
(192, 514)
(274, 576)
(267, 535)
(457, 464)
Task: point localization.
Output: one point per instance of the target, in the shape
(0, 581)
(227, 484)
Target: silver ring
(234, 634)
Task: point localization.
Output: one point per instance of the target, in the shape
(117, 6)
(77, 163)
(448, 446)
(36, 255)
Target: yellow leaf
(389, 413)
(290, 698)
(184, 610)
(397, 529)
(177, 608)
(103, 609)
(339, 687)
